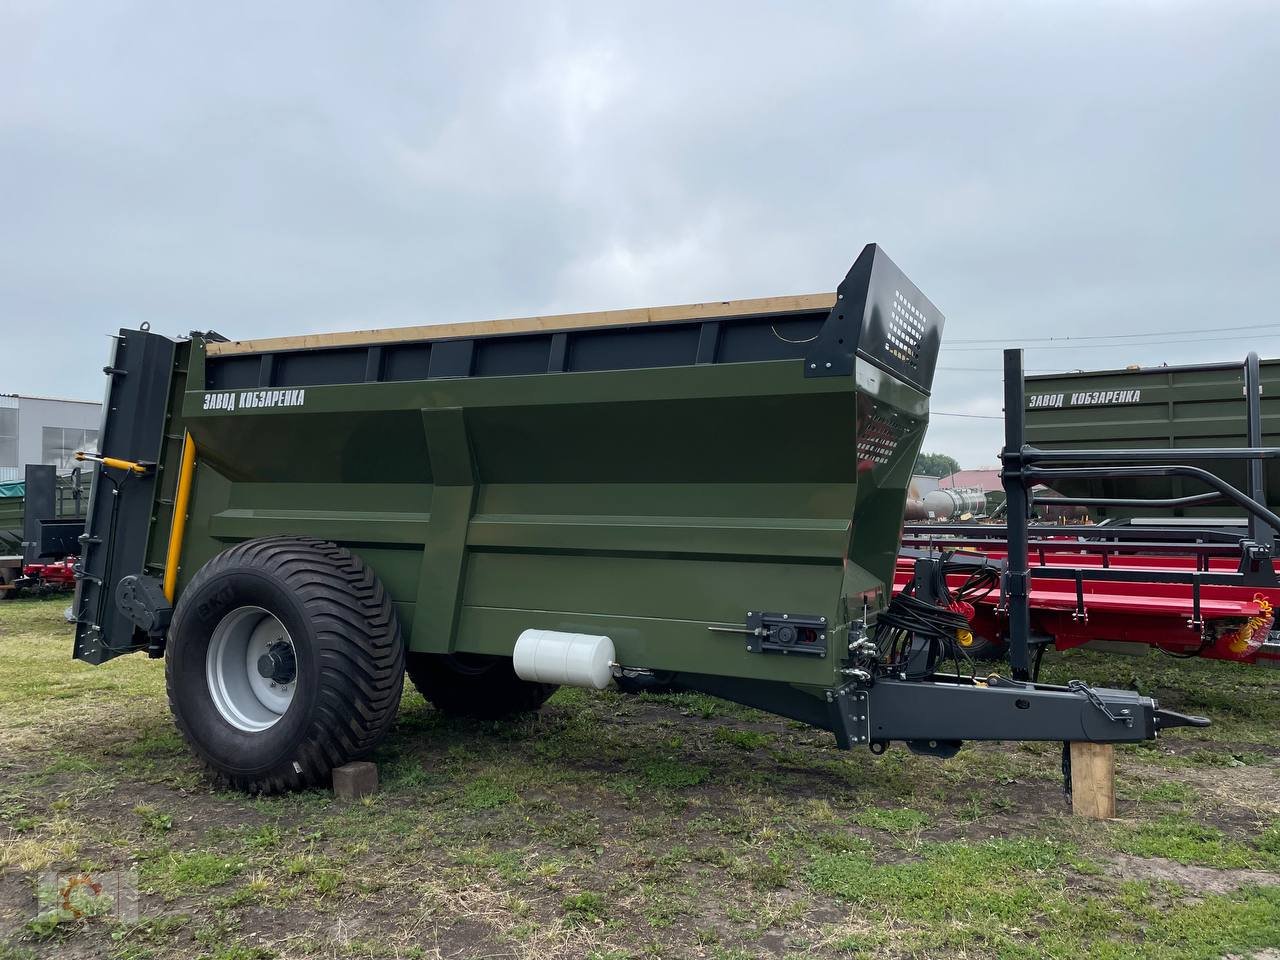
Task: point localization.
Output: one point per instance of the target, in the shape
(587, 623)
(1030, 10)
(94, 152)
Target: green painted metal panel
(70, 498)
(11, 519)
(1155, 408)
(651, 503)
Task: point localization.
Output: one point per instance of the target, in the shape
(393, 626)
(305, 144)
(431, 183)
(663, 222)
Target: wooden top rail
(805, 303)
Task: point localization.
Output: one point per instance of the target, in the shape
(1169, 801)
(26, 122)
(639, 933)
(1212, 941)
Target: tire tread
(359, 649)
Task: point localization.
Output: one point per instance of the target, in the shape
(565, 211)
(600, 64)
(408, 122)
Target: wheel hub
(278, 663)
(251, 669)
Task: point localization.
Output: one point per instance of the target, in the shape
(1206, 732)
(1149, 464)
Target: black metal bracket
(883, 317)
(1197, 621)
(787, 634)
(851, 713)
(142, 600)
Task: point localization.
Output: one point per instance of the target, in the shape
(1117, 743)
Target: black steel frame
(1021, 469)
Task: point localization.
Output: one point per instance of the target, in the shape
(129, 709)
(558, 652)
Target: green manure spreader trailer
(713, 493)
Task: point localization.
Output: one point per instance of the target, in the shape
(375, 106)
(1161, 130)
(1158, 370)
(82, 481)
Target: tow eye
(278, 663)
(1164, 719)
(1161, 719)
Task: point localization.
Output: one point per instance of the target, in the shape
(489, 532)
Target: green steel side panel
(444, 556)
(1160, 407)
(71, 497)
(11, 521)
(71, 493)
(647, 504)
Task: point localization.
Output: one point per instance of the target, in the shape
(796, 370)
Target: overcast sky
(1039, 169)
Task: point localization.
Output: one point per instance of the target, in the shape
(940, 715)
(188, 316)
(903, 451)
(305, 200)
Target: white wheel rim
(248, 669)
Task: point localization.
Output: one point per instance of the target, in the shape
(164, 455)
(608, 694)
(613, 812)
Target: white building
(45, 430)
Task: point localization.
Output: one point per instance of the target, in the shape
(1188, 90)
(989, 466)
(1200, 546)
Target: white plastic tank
(571, 659)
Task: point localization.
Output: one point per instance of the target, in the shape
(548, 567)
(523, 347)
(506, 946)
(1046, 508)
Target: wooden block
(351, 781)
(1093, 780)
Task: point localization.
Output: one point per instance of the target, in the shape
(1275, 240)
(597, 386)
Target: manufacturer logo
(1105, 397)
(212, 608)
(1041, 400)
(233, 400)
(1088, 398)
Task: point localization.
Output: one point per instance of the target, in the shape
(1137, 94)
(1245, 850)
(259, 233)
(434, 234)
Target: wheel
(284, 661)
(473, 685)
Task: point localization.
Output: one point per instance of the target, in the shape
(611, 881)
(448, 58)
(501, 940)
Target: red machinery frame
(1162, 602)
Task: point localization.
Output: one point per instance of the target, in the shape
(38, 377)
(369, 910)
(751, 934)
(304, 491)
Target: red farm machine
(41, 522)
(1166, 566)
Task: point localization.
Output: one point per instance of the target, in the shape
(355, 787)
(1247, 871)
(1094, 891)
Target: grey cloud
(1038, 169)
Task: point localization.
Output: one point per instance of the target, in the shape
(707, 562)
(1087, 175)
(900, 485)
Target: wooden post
(1093, 780)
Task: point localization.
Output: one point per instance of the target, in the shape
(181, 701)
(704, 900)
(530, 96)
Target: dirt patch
(1197, 880)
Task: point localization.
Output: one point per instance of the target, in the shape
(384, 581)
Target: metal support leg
(1260, 531)
(1017, 575)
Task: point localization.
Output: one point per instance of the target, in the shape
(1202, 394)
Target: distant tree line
(936, 465)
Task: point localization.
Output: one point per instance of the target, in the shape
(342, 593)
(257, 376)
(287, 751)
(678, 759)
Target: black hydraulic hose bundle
(911, 620)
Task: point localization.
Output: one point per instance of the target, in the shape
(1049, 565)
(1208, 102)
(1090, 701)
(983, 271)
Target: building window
(58, 445)
(8, 436)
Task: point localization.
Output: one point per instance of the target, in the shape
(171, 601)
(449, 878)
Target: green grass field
(654, 826)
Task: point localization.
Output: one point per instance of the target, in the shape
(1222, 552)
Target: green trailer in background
(41, 519)
(11, 514)
(713, 493)
(1197, 405)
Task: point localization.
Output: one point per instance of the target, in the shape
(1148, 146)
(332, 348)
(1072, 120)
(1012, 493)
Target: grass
(172, 874)
(957, 897)
(653, 826)
(585, 907)
(1169, 792)
(903, 820)
(1186, 841)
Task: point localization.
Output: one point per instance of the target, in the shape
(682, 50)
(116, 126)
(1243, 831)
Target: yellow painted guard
(181, 501)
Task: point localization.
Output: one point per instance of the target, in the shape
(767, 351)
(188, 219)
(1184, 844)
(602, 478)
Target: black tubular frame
(1021, 470)
(1194, 500)
(1117, 534)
